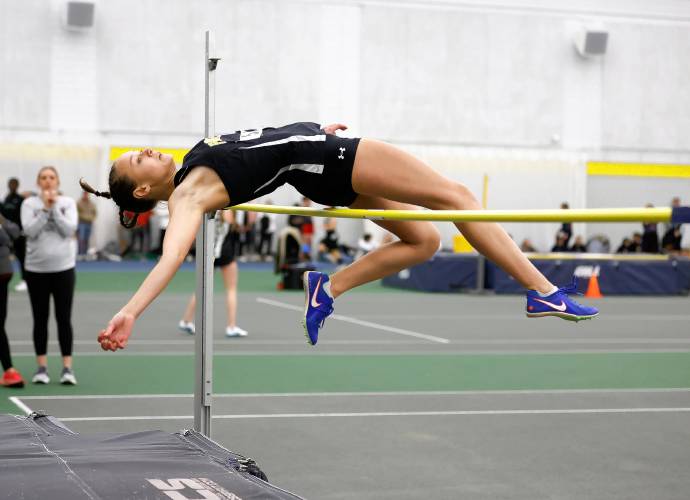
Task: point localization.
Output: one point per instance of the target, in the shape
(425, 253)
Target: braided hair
(121, 192)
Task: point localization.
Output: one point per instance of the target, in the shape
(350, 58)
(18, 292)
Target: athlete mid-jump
(235, 168)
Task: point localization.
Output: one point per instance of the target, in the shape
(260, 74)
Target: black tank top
(252, 163)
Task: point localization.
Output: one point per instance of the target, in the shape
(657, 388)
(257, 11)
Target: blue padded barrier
(448, 272)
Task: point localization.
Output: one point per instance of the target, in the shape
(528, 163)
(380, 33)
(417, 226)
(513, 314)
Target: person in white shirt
(227, 243)
(49, 221)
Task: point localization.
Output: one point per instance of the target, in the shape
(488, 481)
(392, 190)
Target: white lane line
(190, 343)
(19, 404)
(488, 341)
(454, 352)
(359, 322)
(250, 416)
(375, 394)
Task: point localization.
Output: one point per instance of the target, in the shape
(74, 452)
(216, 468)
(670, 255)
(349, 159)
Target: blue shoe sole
(565, 316)
(305, 283)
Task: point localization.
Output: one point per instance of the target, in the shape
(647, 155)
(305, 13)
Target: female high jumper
(231, 169)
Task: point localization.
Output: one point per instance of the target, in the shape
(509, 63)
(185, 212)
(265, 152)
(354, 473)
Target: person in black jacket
(11, 209)
(9, 231)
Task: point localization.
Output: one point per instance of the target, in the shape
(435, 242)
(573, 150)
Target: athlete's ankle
(546, 290)
(331, 288)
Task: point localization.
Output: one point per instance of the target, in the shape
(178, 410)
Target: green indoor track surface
(119, 373)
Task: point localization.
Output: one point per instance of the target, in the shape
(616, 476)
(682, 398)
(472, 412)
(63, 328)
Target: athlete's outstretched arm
(185, 219)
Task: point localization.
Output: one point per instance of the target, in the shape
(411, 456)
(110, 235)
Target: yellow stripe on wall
(117, 151)
(637, 169)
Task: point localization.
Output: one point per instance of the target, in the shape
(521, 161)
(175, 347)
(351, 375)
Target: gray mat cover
(40, 458)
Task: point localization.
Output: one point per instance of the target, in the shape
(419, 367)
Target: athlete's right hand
(116, 334)
(333, 128)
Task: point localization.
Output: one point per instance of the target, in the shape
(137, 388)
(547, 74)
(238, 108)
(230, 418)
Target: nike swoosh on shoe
(314, 303)
(560, 308)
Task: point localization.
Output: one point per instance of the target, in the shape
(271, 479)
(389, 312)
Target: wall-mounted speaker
(79, 15)
(591, 42)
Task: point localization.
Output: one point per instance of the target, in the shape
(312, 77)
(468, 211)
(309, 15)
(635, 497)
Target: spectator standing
(296, 220)
(561, 244)
(11, 209)
(50, 221)
(140, 236)
(225, 250)
(566, 227)
(161, 213)
(670, 243)
(527, 246)
(86, 211)
(673, 233)
(329, 248)
(650, 237)
(307, 230)
(248, 235)
(9, 231)
(267, 227)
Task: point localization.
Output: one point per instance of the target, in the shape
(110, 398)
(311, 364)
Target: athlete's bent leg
(419, 241)
(382, 170)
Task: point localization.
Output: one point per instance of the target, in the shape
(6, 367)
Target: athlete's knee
(428, 243)
(457, 196)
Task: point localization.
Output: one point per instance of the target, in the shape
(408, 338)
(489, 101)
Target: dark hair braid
(121, 189)
(87, 187)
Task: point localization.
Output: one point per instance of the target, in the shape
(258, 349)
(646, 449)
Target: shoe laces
(328, 310)
(571, 289)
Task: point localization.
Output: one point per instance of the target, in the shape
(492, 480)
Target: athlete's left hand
(333, 128)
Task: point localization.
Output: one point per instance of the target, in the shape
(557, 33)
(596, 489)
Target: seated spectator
(670, 243)
(561, 244)
(599, 243)
(526, 246)
(636, 245)
(365, 245)
(578, 245)
(329, 249)
(626, 246)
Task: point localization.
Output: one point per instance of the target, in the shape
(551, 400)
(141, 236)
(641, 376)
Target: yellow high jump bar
(681, 214)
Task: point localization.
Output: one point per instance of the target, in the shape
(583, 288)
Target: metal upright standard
(203, 390)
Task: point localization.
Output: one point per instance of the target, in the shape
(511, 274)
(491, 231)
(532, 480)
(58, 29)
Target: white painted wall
(470, 86)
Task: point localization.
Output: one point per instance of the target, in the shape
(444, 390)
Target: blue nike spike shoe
(559, 304)
(318, 304)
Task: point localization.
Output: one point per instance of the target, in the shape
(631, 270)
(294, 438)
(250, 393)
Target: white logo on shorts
(342, 154)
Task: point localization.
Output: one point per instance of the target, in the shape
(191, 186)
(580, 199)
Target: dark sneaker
(41, 376)
(559, 304)
(67, 377)
(318, 304)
